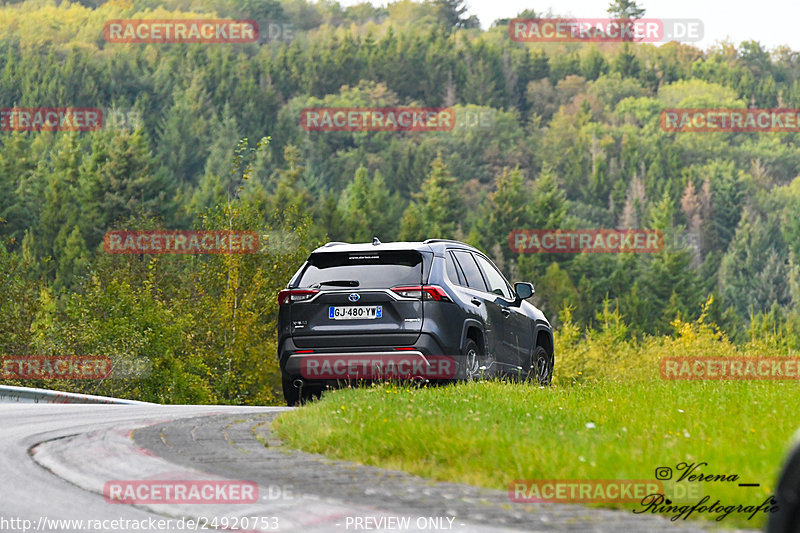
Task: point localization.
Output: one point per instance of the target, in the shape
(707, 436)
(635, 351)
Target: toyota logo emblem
(354, 297)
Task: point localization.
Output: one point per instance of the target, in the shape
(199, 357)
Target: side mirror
(524, 290)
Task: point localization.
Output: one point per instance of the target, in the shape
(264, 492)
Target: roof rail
(335, 243)
(428, 241)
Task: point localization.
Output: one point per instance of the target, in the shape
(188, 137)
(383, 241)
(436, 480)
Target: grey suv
(437, 310)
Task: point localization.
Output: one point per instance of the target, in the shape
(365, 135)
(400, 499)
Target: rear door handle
(476, 301)
(506, 312)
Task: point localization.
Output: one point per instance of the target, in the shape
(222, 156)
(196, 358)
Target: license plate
(355, 313)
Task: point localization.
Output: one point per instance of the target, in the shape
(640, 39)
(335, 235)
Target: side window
(471, 271)
(497, 284)
(453, 271)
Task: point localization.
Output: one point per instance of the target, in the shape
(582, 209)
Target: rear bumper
(426, 359)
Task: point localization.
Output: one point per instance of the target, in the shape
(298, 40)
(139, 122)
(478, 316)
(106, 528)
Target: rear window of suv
(370, 270)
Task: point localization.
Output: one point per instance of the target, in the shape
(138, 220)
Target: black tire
(541, 367)
(470, 362)
(786, 519)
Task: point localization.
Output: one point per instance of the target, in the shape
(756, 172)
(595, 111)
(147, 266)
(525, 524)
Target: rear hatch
(354, 305)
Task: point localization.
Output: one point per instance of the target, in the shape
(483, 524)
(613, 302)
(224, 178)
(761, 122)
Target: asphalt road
(58, 460)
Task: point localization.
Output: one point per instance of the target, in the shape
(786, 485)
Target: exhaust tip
(297, 383)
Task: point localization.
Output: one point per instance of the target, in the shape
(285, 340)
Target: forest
(548, 135)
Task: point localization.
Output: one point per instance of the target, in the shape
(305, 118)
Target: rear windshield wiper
(337, 283)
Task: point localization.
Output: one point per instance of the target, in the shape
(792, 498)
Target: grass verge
(493, 433)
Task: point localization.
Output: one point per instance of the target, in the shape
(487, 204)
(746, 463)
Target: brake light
(424, 292)
(295, 295)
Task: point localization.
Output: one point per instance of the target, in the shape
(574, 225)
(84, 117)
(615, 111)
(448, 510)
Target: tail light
(295, 295)
(424, 292)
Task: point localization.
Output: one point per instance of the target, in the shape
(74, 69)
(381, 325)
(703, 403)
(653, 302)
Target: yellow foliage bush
(607, 354)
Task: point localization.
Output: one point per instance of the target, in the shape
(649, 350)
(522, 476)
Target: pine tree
(727, 191)
(119, 180)
(434, 212)
(61, 206)
(593, 64)
(627, 63)
(504, 210)
(452, 14)
(218, 184)
(635, 205)
(692, 210)
(755, 271)
(665, 284)
(73, 261)
(546, 208)
(369, 209)
(625, 9)
(20, 185)
(548, 204)
(287, 191)
(183, 142)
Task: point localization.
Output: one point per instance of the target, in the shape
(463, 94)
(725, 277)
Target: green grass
(492, 433)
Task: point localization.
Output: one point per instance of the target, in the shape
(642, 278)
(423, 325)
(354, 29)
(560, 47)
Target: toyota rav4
(437, 310)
